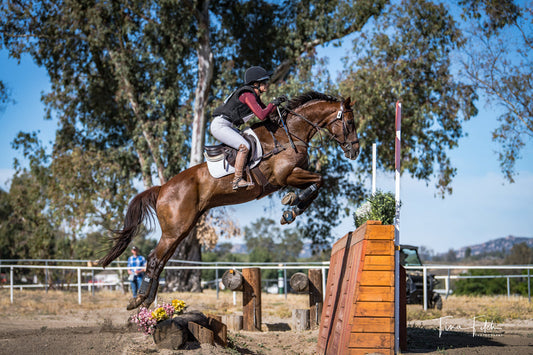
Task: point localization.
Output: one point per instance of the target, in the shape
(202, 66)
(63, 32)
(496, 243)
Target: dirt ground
(105, 330)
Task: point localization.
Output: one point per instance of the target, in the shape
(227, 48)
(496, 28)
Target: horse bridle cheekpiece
(340, 117)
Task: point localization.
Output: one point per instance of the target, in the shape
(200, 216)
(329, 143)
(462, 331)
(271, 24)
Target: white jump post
(397, 161)
(374, 161)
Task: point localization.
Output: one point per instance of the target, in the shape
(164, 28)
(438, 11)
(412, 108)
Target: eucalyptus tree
(406, 57)
(498, 61)
(131, 81)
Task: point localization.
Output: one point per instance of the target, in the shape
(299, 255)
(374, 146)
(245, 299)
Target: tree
(520, 254)
(125, 75)
(406, 57)
(498, 62)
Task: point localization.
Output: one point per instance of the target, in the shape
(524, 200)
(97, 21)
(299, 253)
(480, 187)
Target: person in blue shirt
(136, 269)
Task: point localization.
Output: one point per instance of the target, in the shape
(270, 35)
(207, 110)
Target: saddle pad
(219, 167)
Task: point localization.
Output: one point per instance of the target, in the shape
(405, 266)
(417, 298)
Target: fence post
(11, 283)
(251, 299)
(528, 286)
(79, 286)
(216, 279)
(508, 289)
(323, 283)
(285, 280)
(448, 284)
(425, 284)
(46, 277)
(315, 296)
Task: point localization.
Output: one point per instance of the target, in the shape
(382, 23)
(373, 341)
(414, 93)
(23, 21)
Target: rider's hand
(279, 100)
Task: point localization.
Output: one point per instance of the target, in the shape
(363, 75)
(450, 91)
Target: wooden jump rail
(358, 312)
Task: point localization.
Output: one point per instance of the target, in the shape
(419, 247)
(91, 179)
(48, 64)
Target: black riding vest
(233, 109)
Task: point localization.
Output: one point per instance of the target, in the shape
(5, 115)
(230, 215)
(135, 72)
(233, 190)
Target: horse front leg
(310, 183)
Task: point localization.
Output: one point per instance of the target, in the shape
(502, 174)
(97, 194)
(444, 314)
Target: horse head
(342, 127)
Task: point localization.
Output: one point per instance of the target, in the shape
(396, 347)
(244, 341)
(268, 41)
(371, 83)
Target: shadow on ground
(422, 340)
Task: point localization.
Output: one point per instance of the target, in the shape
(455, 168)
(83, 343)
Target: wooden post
(233, 321)
(251, 299)
(300, 319)
(315, 296)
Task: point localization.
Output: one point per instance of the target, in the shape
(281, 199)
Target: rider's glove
(278, 100)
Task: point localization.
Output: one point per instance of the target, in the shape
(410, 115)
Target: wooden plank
(380, 247)
(374, 309)
(372, 340)
(373, 325)
(380, 233)
(366, 351)
(202, 334)
(379, 262)
(377, 278)
(220, 330)
(375, 293)
(339, 245)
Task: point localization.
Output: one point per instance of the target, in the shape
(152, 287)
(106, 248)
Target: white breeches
(225, 132)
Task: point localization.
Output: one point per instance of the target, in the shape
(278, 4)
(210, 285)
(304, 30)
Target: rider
(237, 109)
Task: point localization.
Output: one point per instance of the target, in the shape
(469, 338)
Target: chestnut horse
(180, 202)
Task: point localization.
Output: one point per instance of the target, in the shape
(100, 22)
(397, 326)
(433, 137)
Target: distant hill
(504, 244)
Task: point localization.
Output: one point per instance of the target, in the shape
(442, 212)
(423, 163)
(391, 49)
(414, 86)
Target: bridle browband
(340, 117)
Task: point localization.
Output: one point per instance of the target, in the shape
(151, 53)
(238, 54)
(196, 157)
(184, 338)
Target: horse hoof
(288, 217)
(134, 303)
(289, 199)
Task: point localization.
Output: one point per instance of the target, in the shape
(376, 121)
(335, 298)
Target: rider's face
(263, 87)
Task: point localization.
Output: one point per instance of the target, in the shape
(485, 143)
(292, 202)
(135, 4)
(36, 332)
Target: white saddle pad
(219, 168)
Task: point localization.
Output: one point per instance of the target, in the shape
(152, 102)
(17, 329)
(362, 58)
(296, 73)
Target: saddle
(218, 152)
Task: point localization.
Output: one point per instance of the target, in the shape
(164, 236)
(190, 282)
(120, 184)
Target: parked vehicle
(415, 279)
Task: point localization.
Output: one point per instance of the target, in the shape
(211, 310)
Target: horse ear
(347, 102)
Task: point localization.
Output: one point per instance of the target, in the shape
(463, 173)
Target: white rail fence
(91, 286)
(219, 266)
(447, 279)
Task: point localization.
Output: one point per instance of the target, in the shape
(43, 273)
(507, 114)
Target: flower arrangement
(146, 320)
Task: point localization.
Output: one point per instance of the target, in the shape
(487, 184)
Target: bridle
(345, 144)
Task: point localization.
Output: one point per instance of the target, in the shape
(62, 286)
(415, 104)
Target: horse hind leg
(159, 257)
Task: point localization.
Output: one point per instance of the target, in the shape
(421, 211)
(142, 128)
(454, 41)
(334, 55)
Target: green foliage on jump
(380, 206)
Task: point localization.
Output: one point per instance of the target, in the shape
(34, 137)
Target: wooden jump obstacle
(249, 283)
(311, 284)
(358, 312)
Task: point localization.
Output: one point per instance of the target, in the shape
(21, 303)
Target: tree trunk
(205, 76)
(190, 249)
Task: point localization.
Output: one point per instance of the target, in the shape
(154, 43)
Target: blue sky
(483, 205)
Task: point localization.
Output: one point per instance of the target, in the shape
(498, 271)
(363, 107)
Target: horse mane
(309, 96)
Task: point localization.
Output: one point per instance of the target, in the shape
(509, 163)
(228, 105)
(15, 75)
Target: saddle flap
(214, 153)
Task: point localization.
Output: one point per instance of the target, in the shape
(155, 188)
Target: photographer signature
(483, 328)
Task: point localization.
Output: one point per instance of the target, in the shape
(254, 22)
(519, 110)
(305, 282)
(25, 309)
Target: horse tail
(139, 208)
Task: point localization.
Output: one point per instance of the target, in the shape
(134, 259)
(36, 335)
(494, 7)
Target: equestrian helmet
(255, 74)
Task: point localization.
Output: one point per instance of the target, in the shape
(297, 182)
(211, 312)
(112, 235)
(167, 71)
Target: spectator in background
(136, 269)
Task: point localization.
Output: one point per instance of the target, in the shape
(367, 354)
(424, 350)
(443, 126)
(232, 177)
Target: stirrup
(240, 182)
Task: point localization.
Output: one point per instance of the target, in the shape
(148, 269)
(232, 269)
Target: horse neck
(316, 112)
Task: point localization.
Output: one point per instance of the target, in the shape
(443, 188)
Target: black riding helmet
(255, 74)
